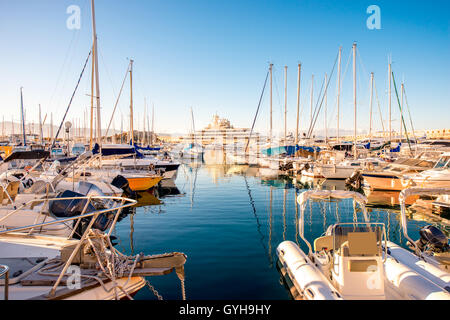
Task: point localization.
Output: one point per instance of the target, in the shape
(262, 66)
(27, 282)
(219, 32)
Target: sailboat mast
(401, 114)
(339, 92)
(131, 103)
(326, 105)
(97, 81)
(145, 135)
(121, 128)
(51, 126)
(311, 102)
(91, 127)
(12, 125)
(270, 123)
(153, 122)
(298, 103)
(371, 103)
(389, 93)
(41, 134)
(354, 96)
(285, 105)
(23, 118)
(193, 126)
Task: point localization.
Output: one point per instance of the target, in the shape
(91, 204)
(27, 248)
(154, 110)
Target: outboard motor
(433, 239)
(355, 180)
(65, 208)
(122, 183)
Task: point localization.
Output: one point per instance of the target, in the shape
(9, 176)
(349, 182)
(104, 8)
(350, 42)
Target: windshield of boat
(443, 163)
(358, 239)
(414, 163)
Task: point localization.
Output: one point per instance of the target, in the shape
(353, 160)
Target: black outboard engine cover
(434, 238)
(66, 208)
(122, 183)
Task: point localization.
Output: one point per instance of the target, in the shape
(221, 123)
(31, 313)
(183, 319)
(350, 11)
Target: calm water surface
(229, 226)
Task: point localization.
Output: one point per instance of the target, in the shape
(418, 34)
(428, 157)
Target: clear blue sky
(213, 55)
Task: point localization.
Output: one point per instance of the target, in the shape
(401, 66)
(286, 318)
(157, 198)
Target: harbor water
(229, 225)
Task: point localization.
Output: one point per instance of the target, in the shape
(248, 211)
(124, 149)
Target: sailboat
(39, 267)
(193, 150)
(123, 160)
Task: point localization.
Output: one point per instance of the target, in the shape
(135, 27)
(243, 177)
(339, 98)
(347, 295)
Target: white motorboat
(343, 169)
(437, 177)
(355, 261)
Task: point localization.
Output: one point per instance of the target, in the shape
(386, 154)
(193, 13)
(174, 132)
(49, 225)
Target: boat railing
(4, 271)
(328, 194)
(124, 203)
(120, 202)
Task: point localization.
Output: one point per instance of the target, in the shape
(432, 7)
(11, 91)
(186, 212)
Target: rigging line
(323, 97)
(71, 59)
(71, 99)
(278, 96)
(76, 34)
(401, 113)
(257, 110)
(66, 58)
(117, 101)
(378, 103)
(109, 75)
(315, 108)
(318, 108)
(409, 113)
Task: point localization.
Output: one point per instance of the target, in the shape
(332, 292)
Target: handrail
(327, 194)
(5, 272)
(125, 202)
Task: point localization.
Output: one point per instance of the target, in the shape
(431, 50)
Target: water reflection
(230, 219)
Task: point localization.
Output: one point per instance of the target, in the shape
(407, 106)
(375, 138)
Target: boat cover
(27, 155)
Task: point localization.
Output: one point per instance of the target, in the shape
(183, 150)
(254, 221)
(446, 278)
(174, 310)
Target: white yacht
(437, 177)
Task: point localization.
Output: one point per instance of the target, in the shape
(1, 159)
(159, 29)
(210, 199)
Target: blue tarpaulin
(117, 151)
(148, 148)
(288, 150)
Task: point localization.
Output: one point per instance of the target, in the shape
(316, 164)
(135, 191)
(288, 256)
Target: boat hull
(384, 182)
(143, 183)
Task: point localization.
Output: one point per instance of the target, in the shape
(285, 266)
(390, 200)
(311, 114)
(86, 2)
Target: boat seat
(362, 244)
(12, 189)
(323, 243)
